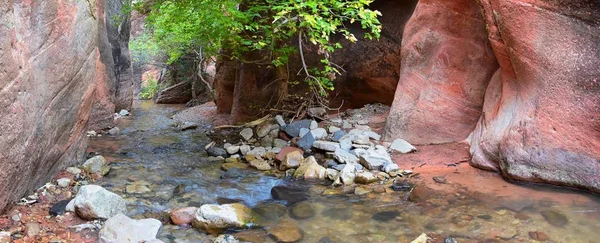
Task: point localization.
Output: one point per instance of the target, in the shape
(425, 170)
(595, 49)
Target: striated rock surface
(541, 116)
(51, 71)
(446, 66)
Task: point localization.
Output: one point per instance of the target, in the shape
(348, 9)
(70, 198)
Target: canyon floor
(156, 167)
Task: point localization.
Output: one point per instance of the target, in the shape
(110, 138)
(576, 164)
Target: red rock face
(48, 71)
(541, 117)
(446, 66)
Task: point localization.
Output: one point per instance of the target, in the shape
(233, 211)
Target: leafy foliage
(149, 90)
(240, 26)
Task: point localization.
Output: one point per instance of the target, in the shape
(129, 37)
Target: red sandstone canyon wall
(521, 77)
(51, 73)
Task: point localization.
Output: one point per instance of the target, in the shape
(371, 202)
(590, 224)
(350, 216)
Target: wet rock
(365, 178)
(302, 211)
(440, 179)
(290, 193)
(293, 129)
(74, 170)
(303, 132)
(279, 143)
(253, 236)
(214, 218)
(260, 164)
(450, 240)
(538, 236)
(114, 131)
(311, 170)
(508, 233)
(226, 239)
(319, 133)
(291, 160)
(32, 229)
(338, 135)
(326, 146)
(325, 240)
(5, 237)
(280, 120)
(216, 152)
(121, 228)
(234, 159)
(271, 211)
(306, 142)
(402, 146)
(361, 191)
(348, 174)
(402, 185)
(63, 182)
(265, 129)
(95, 202)
(247, 133)
(237, 165)
(385, 216)
(183, 216)
(96, 165)
(138, 187)
(59, 207)
(555, 218)
(286, 231)
(345, 157)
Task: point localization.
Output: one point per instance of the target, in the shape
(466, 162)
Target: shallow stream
(150, 153)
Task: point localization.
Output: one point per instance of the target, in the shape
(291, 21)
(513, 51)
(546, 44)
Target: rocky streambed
(177, 178)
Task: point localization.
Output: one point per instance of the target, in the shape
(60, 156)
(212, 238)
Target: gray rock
(346, 144)
(216, 152)
(215, 218)
(374, 158)
(293, 129)
(258, 152)
(188, 125)
(291, 160)
(319, 133)
(390, 167)
(306, 142)
(63, 182)
(233, 149)
(97, 164)
(279, 143)
(124, 113)
(338, 167)
(123, 229)
(265, 129)
(317, 112)
(266, 141)
(244, 149)
(370, 134)
(226, 239)
(333, 174)
(326, 145)
(361, 139)
(303, 131)
(402, 146)
(345, 157)
(338, 135)
(114, 131)
(95, 202)
(260, 164)
(247, 133)
(346, 125)
(74, 170)
(280, 120)
(347, 174)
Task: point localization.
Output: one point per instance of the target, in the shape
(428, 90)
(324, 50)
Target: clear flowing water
(173, 165)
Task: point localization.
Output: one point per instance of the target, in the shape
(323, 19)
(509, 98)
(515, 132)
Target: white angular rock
(247, 133)
(122, 229)
(74, 170)
(95, 202)
(303, 131)
(244, 149)
(280, 120)
(374, 158)
(319, 133)
(402, 146)
(70, 206)
(233, 149)
(390, 167)
(314, 125)
(333, 174)
(124, 113)
(343, 156)
(370, 134)
(326, 145)
(361, 139)
(215, 218)
(333, 129)
(347, 174)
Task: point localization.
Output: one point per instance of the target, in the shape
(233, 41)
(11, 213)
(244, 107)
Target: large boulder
(214, 218)
(122, 229)
(541, 119)
(447, 63)
(52, 68)
(95, 202)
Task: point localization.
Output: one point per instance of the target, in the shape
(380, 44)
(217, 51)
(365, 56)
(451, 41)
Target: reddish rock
(50, 68)
(541, 116)
(284, 151)
(183, 216)
(446, 66)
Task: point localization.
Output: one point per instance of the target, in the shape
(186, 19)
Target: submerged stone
(302, 211)
(555, 218)
(385, 216)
